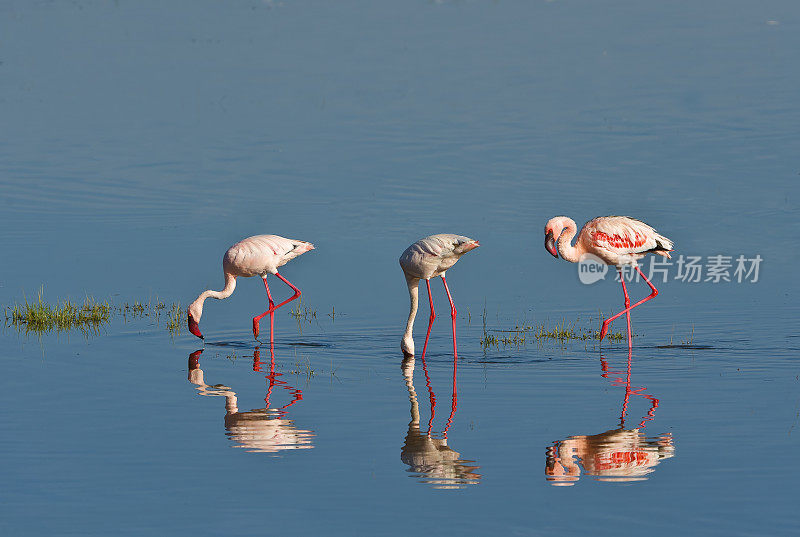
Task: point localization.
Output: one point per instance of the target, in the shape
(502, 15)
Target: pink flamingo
(426, 259)
(254, 256)
(616, 240)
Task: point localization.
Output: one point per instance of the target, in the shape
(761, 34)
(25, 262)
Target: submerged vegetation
(89, 316)
(561, 332)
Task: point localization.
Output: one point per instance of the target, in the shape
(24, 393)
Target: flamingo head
(407, 346)
(552, 230)
(193, 314)
(462, 245)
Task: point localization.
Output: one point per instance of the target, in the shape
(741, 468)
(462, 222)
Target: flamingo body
(616, 240)
(426, 259)
(258, 255)
(432, 256)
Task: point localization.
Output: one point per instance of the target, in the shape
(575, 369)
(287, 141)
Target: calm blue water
(140, 140)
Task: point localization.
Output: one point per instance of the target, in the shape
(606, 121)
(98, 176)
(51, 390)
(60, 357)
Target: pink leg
(296, 294)
(257, 319)
(272, 307)
(430, 320)
(628, 313)
(652, 295)
(453, 315)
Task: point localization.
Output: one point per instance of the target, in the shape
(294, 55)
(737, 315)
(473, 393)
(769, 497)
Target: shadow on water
(260, 430)
(247, 345)
(618, 455)
(429, 458)
(684, 346)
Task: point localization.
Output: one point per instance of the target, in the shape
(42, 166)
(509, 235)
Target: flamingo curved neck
(565, 249)
(230, 285)
(413, 293)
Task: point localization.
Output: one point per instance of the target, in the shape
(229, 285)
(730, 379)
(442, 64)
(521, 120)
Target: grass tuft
(562, 333)
(303, 313)
(89, 316)
(174, 318)
(42, 318)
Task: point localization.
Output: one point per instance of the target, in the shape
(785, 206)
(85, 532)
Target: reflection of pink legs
(627, 309)
(453, 402)
(272, 381)
(273, 307)
(431, 395)
(629, 390)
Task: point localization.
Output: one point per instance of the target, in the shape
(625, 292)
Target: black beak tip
(550, 244)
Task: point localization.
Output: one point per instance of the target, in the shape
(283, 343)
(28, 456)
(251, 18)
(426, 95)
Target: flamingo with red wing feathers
(616, 240)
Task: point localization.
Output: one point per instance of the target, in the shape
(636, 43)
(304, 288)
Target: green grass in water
(88, 317)
(175, 318)
(41, 317)
(303, 313)
(562, 333)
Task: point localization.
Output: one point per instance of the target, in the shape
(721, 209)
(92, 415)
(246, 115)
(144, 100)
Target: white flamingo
(254, 256)
(426, 259)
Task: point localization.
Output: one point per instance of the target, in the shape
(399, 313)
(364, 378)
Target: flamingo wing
(261, 254)
(433, 255)
(625, 235)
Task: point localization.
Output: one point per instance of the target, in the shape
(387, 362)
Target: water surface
(140, 140)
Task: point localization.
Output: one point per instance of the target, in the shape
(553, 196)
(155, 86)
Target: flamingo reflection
(261, 430)
(429, 458)
(617, 455)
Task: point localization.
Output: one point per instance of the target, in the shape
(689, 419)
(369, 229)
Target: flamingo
(254, 256)
(426, 259)
(615, 240)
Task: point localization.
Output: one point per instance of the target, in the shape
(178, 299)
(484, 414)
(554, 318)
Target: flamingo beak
(550, 244)
(194, 328)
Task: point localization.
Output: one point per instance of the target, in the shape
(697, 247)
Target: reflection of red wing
(620, 459)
